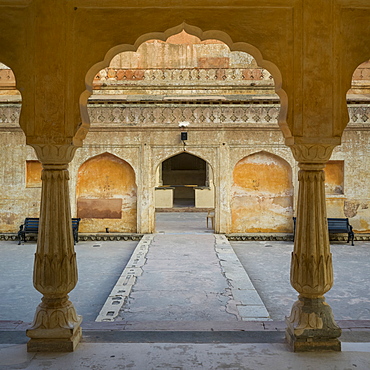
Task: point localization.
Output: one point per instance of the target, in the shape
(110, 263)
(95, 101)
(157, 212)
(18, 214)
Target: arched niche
(106, 195)
(262, 195)
(184, 180)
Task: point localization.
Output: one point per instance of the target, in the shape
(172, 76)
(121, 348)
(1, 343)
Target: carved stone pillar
(56, 326)
(311, 324)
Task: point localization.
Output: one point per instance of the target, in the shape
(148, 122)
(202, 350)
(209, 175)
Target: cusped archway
(106, 195)
(99, 74)
(262, 195)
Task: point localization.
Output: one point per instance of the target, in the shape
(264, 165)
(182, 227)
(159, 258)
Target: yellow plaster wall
(334, 177)
(103, 182)
(262, 195)
(17, 201)
(33, 174)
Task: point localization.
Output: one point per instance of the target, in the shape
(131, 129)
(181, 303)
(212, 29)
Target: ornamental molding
(52, 154)
(125, 115)
(60, 317)
(312, 153)
(311, 276)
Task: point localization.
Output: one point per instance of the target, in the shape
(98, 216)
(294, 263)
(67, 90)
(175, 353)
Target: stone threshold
(353, 331)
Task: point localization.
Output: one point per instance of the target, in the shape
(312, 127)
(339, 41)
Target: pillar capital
(312, 153)
(54, 154)
(312, 150)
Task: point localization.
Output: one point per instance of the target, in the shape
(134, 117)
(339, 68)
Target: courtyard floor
(266, 265)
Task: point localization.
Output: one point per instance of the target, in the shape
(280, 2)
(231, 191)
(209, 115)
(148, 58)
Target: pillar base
(56, 327)
(54, 340)
(311, 326)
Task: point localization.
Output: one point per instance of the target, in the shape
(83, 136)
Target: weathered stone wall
(355, 201)
(233, 114)
(106, 195)
(262, 195)
(19, 201)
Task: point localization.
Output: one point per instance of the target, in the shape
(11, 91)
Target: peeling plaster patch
(350, 208)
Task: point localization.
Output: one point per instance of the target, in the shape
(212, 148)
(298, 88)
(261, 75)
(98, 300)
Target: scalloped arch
(202, 35)
(15, 75)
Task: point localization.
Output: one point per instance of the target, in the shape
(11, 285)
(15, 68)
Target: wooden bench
(31, 226)
(338, 226)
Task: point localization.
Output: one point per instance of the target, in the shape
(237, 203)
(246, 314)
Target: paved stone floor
(201, 345)
(99, 266)
(186, 356)
(183, 277)
(268, 266)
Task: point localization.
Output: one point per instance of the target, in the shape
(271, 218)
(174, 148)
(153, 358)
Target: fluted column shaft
(311, 266)
(311, 324)
(56, 326)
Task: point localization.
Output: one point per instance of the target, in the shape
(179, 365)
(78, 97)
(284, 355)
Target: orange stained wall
(106, 195)
(334, 177)
(33, 174)
(334, 189)
(262, 194)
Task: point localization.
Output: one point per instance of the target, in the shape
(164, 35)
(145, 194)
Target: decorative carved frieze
(171, 114)
(9, 114)
(117, 76)
(55, 274)
(137, 114)
(108, 237)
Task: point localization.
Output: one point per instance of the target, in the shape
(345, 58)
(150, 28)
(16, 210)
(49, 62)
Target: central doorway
(184, 172)
(184, 181)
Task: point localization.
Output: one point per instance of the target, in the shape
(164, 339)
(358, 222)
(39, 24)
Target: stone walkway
(178, 276)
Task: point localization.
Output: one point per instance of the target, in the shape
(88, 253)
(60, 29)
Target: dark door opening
(184, 172)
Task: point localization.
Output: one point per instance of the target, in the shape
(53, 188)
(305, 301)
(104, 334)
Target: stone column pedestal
(56, 326)
(311, 325)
